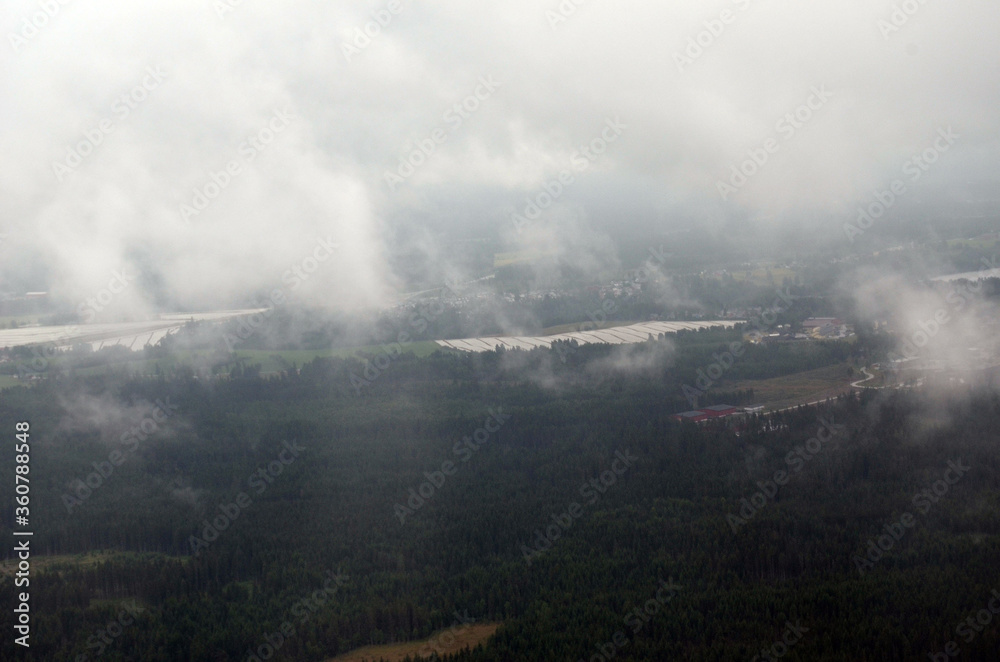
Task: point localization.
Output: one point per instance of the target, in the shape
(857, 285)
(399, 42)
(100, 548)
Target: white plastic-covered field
(134, 335)
(619, 335)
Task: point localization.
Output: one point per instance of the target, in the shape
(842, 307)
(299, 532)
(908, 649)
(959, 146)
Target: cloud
(947, 322)
(645, 359)
(323, 175)
(110, 418)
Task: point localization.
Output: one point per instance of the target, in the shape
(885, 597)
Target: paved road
(869, 376)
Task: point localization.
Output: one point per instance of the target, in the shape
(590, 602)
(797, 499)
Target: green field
(276, 361)
(986, 244)
(764, 276)
(519, 257)
(271, 361)
(791, 390)
(22, 320)
(57, 562)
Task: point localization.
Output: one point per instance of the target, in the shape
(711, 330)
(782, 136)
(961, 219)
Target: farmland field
(808, 386)
(518, 257)
(90, 559)
(764, 276)
(129, 334)
(584, 335)
(467, 637)
(275, 361)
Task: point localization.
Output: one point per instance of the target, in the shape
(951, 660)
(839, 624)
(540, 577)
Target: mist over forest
(386, 331)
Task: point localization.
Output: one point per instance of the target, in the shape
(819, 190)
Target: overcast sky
(534, 83)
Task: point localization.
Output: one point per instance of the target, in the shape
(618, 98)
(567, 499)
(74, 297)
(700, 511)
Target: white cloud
(324, 175)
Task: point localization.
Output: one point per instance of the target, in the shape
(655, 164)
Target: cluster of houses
(814, 328)
(826, 327)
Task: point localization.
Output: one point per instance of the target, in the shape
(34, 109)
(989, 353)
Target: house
(707, 413)
(819, 322)
(720, 411)
(826, 327)
(692, 416)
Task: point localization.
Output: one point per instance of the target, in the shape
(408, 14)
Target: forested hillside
(549, 491)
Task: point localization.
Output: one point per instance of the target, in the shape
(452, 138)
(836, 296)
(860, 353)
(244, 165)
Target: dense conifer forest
(549, 491)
